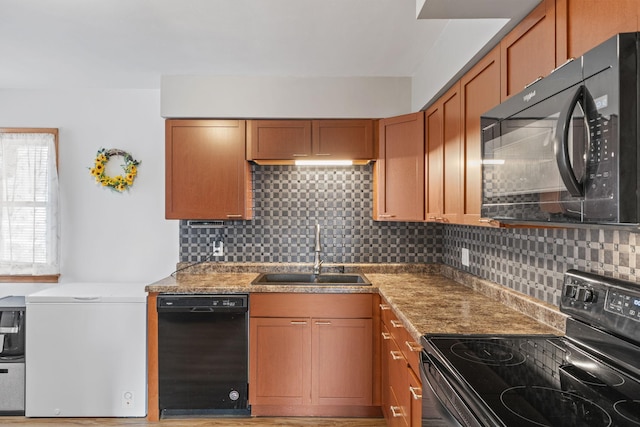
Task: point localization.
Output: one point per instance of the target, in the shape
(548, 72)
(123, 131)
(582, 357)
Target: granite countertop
(426, 298)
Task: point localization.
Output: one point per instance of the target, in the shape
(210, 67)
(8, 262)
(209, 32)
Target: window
(29, 240)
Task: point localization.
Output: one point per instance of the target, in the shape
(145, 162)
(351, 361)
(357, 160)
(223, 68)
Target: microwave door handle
(561, 144)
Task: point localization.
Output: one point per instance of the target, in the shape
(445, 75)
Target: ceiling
(131, 43)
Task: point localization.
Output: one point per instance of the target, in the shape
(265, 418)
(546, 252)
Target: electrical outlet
(465, 257)
(127, 399)
(218, 248)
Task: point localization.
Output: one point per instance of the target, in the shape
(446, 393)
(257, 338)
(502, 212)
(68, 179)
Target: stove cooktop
(590, 377)
(540, 381)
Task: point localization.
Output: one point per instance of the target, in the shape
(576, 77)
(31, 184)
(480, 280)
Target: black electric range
(589, 377)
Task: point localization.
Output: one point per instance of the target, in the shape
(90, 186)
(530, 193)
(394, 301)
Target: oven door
(444, 401)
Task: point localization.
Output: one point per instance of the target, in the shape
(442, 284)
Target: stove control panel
(623, 302)
(605, 302)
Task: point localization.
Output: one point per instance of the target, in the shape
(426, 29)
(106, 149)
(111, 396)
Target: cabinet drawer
(346, 306)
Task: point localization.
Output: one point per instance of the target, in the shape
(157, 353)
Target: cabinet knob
(413, 346)
(396, 411)
(397, 324)
(416, 392)
(396, 355)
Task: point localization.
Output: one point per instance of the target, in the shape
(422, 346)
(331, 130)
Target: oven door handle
(580, 96)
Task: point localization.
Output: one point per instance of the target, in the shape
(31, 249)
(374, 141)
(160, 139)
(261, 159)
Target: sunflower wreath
(119, 182)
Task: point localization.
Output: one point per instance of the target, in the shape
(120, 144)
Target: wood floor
(195, 422)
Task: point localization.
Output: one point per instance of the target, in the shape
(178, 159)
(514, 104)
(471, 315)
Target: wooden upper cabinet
(434, 163)
(584, 24)
(399, 170)
(528, 51)
(278, 139)
(444, 156)
(339, 139)
(343, 139)
(480, 89)
(207, 176)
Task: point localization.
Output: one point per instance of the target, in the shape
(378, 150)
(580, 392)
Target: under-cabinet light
(493, 162)
(324, 162)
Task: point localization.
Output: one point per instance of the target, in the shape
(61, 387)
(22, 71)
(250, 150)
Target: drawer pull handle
(386, 336)
(397, 324)
(234, 216)
(298, 322)
(413, 346)
(385, 307)
(396, 355)
(300, 155)
(396, 411)
(386, 216)
(323, 323)
(416, 392)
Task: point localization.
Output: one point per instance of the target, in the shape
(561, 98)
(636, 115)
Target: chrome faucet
(317, 262)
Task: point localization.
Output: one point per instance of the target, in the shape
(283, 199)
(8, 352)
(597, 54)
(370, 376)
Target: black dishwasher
(203, 355)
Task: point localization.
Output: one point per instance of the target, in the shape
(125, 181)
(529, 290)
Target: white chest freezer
(86, 351)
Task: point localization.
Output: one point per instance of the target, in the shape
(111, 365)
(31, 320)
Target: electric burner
(543, 406)
(629, 410)
(588, 378)
(487, 353)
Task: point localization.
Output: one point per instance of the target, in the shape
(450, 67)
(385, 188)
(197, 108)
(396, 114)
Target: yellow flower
(120, 187)
(94, 172)
(130, 176)
(101, 158)
(133, 169)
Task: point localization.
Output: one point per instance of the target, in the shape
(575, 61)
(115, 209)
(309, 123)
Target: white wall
(460, 41)
(105, 236)
(285, 97)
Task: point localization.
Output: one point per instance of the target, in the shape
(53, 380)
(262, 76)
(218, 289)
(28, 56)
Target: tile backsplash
(290, 200)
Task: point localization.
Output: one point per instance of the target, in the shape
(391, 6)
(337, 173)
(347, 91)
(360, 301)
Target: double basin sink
(302, 279)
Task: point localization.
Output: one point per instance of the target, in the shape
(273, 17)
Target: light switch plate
(218, 248)
(465, 257)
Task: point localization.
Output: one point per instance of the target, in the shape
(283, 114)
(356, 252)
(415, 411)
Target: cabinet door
(443, 145)
(480, 92)
(453, 156)
(583, 24)
(399, 171)
(400, 412)
(207, 176)
(528, 51)
(279, 139)
(415, 392)
(343, 139)
(342, 359)
(434, 161)
(279, 361)
(385, 348)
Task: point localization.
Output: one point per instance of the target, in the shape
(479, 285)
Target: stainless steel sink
(325, 279)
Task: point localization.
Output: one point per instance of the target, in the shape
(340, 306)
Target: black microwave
(565, 149)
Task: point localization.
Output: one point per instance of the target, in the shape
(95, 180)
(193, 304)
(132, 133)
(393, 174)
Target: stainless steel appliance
(565, 149)
(203, 355)
(12, 374)
(590, 377)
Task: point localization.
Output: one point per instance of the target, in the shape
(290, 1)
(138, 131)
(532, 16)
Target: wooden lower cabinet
(401, 385)
(317, 364)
